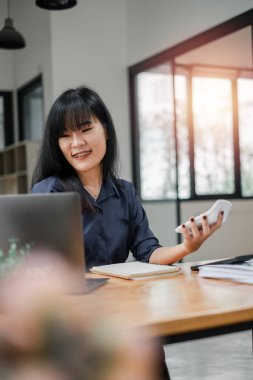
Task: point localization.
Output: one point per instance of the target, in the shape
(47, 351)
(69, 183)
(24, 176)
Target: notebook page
(134, 269)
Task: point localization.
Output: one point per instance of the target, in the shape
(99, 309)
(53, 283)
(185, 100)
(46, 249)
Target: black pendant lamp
(9, 37)
(56, 5)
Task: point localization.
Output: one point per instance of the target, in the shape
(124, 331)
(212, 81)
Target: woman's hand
(192, 241)
(169, 255)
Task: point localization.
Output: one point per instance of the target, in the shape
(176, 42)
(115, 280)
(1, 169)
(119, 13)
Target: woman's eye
(86, 129)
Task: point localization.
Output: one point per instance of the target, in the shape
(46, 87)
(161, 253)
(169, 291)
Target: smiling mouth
(81, 154)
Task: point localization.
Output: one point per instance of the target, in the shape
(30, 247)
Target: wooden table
(176, 307)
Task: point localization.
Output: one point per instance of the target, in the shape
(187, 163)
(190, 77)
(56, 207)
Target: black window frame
(217, 32)
(8, 117)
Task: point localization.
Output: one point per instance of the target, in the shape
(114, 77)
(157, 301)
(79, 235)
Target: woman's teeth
(81, 154)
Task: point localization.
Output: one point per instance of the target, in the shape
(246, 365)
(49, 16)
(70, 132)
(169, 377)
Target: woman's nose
(77, 139)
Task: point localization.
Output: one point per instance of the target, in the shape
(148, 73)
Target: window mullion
(236, 142)
(191, 135)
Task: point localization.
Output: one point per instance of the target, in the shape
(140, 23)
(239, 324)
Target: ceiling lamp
(9, 37)
(56, 5)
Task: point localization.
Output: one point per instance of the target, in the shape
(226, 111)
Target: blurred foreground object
(14, 256)
(40, 340)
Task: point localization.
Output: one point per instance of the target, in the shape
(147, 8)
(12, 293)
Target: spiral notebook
(134, 270)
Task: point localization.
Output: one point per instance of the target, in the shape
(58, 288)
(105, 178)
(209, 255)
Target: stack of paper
(238, 272)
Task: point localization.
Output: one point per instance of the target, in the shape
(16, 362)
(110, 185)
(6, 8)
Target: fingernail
(204, 217)
(192, 219)
(222, 212)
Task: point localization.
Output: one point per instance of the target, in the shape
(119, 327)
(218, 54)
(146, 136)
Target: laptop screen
(45, 223)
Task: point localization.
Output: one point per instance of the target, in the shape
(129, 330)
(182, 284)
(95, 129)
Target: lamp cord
(9, 8)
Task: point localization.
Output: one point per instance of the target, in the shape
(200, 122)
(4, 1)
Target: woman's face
(85, 148)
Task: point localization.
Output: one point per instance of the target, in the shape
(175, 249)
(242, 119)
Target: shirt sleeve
(143, 241)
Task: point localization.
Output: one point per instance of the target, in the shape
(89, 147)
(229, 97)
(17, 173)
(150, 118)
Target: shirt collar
(108, 189)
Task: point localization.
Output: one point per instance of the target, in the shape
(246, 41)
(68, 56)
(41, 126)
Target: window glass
(156, 134)
(245, 115)
(30, 107)
(213, 136)
(33, 114)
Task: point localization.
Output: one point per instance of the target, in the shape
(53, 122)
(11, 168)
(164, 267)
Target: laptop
(47, 223)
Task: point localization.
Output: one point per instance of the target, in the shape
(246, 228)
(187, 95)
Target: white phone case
(212, 215)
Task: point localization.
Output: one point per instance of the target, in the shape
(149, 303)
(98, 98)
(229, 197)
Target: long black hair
(70, 108)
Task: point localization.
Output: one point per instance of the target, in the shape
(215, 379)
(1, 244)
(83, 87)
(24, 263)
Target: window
(30, 110)
(192, 118)
(157, 143)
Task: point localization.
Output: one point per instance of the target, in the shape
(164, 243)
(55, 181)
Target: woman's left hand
(192, 241)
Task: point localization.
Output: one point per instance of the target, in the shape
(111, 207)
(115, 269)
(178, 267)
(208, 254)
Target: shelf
(12, 175)
(20, 158)
(2, 186)
(17, 163)
(9, 162)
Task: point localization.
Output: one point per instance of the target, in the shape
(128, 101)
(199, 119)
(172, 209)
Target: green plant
(14, 256)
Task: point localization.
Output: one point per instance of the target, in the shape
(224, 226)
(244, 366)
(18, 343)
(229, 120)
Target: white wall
(162, 220)
(6, 70)
(6, 57)
(156, 25)
(233, 238)
(35, 58)
(89, 47)
(234, 50)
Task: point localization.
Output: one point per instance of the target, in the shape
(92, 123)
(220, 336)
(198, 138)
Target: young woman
(79, 153)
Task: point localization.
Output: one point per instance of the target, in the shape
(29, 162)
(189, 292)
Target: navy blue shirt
(117, 226)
